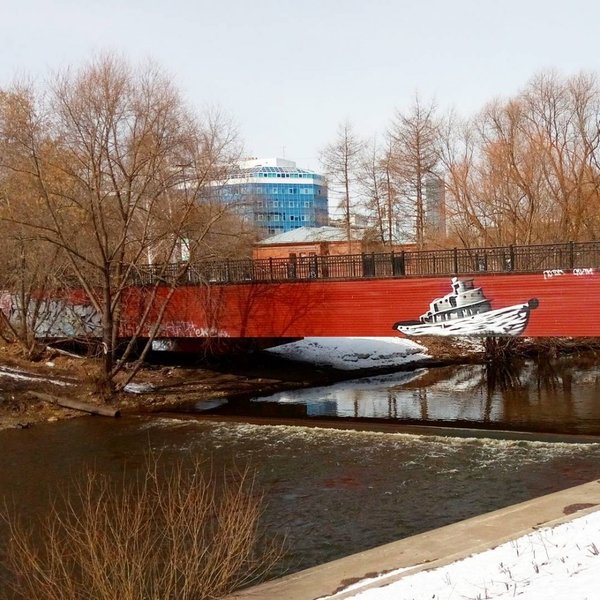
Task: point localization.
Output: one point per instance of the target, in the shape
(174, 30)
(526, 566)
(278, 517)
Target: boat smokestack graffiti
(466, 311)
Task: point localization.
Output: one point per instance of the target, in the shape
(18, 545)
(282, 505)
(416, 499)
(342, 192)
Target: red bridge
(540, 291)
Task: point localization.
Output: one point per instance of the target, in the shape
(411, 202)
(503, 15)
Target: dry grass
(183, 535)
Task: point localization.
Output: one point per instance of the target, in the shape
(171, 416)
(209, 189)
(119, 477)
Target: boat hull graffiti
(467, 311)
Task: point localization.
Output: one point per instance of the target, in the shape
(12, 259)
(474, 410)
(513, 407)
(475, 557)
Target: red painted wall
(569, 305)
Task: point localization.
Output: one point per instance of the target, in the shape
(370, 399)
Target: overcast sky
(289, 71)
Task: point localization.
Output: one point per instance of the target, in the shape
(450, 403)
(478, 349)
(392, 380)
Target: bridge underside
(561, 304)
(215, 346)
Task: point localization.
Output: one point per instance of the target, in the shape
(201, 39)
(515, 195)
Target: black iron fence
(455, 261)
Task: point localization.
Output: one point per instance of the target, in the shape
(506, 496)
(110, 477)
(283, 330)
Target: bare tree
(416, 152)
(391, 189)
(372, 189)
(562, 117)
(341, 160)
(119, 168)
(28, 270)
(379, 187)
(29, 267)
(458, 150)
(525, 170)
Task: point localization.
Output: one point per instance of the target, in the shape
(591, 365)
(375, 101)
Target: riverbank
(159, 387)
(539, 549)
(170, 383)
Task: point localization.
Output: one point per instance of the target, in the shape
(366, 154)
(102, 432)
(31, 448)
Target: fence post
(313, 267)
(271, 267)
(368, 264)
(325, 262)
(571, 256)
(291, 267)
(227, 271)
(403, 265)
(511, 256)
(455, 260)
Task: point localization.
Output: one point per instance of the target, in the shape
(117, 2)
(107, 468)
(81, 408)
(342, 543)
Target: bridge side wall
(568, 304)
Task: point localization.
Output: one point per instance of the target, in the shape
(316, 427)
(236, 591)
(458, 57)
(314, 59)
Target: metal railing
(425, 263)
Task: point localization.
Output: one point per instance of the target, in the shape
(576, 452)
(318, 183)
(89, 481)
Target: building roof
(252, 163)
(306, 235)
(271, 167)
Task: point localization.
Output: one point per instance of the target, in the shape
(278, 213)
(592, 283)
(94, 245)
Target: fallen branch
(92, 409)
(64, 352)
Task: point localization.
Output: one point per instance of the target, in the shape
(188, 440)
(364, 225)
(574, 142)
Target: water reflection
(559, 395)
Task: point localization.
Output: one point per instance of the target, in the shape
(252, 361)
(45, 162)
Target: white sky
(289, 72)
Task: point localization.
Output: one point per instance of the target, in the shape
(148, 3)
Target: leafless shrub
(182, 534)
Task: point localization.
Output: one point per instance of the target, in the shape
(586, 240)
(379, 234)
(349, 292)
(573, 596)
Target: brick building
(307, 241)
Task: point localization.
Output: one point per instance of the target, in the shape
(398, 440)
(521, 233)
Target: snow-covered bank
(557, 563)
(353, 352)
(20, 375)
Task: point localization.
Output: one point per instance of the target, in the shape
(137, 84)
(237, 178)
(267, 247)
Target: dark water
(330, 492)
(560, 396)
(333, 492)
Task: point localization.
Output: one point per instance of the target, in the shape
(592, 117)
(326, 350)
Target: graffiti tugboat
(466, 311)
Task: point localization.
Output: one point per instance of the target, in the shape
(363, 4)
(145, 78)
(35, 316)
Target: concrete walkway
(429, 550)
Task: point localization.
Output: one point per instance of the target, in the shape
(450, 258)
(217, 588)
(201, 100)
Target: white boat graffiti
(466, 311)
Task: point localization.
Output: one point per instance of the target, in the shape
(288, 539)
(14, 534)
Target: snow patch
(138, 388)
(10, 373)
(553, 562)
(353, 352)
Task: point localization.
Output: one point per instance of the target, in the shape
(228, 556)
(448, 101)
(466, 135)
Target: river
(546, 396)
(335, 492)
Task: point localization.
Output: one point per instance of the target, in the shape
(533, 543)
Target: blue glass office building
(277, 196)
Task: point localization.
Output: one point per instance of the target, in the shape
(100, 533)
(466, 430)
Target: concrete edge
(429, 550)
